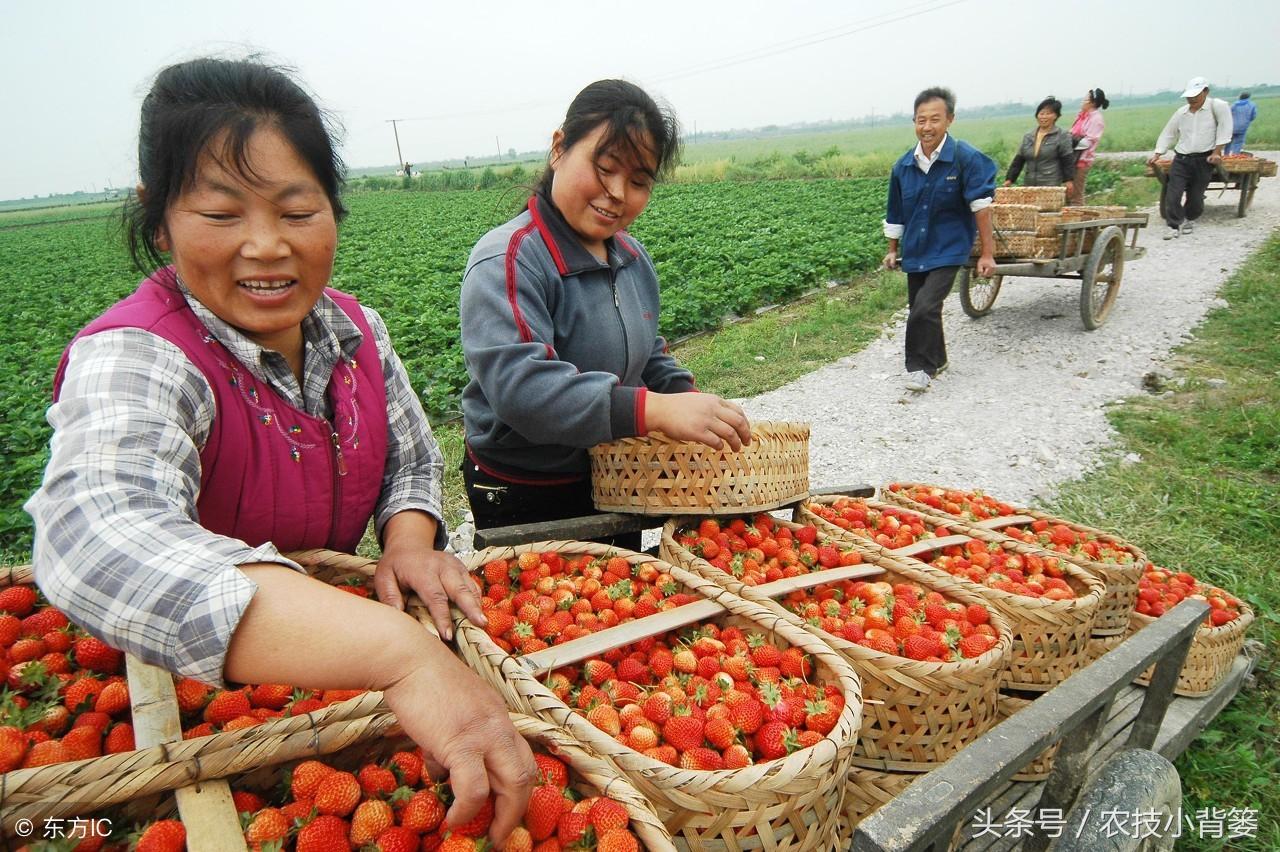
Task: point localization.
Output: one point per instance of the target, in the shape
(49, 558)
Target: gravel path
(1022, 406)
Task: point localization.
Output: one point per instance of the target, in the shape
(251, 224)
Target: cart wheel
(1131, 782)
(977, 295)
(1100, 278)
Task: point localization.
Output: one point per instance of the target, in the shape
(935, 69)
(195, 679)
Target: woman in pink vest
(1086, 132)
(234, 408)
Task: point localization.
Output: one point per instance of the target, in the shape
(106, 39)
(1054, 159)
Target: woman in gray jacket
(1047, 153)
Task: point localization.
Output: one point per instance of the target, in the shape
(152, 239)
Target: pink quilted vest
(268, 471)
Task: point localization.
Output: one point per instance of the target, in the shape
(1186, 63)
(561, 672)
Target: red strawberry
(246, 802)
(166, 835)
(736, 757)
(371, 818)
(720, 732)
(192, 694)
(571, 828)
(96, 655)
(478, 824)
(113, 699)
(338, 793)
(795, 663)
(617, 840)
(307, 777)
(25, 650)
(605, 814)
(13, 747)
(701, 760)
(43, 621)
(82, 693)
(10, 629)
(227, 705)
(92, 719)
(18, 600)
(822, 716)
(771, 740)
(82, 743)
(273, 696)
(119, 739)
(408, 766)
(683, 732)
(423, 812)
(552, 771)
(45, 753)
(657, 707)
(268, 825)
(399, 839)
(977, 614)
(763, 654)
(597, 672)
(376, 781)
(325, 833)
(543, 813)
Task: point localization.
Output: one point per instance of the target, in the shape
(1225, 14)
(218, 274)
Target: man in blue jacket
(1243, 112)
(940, 195)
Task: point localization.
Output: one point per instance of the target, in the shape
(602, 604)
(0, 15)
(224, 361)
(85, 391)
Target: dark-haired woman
(1046, 153)
(560, 322)
(1087, 131)
(232, 408)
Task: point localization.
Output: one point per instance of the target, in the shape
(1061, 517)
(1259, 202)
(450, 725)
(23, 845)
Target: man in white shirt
(1197, 133)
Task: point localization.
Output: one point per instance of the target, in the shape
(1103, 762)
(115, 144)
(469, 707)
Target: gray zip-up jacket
(560, 347)
(1053, 166)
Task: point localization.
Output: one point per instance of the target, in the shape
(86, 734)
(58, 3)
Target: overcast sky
(472, 76)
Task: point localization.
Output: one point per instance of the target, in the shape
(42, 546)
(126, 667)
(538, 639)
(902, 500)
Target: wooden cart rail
(608, 524)
(926, 816)
(1245, 182)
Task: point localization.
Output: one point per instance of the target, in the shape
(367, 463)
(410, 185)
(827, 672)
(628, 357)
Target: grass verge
(1204, 498)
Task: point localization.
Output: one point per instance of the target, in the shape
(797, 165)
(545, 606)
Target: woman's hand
(410, 561)
(1068, 186)
(701, 417)
(1008, 183)
(463, 727)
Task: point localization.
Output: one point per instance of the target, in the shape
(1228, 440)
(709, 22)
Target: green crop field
(720, 249)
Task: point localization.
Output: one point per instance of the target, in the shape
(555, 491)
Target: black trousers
(926, 291)
(499, 503)
(1189, 176)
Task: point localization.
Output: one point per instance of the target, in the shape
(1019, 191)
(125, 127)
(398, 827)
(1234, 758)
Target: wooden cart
(1236, 175)
(1093, 253)
(1108, 726)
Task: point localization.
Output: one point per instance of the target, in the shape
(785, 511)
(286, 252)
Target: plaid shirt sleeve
(414, 474)
(117, 547)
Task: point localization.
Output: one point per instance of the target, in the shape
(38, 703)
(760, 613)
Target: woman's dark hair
(628, 114)
(189, 107)
(937, 93)
(1099, 98)
(1050, 103)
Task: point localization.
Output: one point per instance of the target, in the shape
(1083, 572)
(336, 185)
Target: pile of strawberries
(994, 567)
(976, 506)
(64, 696)
(394, 805)
(541, 599)
(704, 699)
(889, 527)
(762, 550)
(1160, 590)
(902, 619)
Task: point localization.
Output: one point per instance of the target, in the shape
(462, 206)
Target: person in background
(234, 408)
(940, 194)
(1243, 112)
(1086, 133)
(559, 312)
(1047, 153)
(1197, 133)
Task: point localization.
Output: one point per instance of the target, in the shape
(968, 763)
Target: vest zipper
(617, 309)
(339, 471)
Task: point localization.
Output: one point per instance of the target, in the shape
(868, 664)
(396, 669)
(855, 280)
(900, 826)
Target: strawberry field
(720, 249)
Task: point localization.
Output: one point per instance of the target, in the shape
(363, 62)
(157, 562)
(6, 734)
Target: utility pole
(399, 156)
(499, 147)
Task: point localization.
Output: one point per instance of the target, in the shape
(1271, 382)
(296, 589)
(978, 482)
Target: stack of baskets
(1022, 219)
(917, 714)
(1090, 214)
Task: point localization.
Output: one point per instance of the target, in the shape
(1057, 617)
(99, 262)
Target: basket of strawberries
(1217, 641)
(929, 653)
(1115, 560)
(1050, 604)
(731, 755)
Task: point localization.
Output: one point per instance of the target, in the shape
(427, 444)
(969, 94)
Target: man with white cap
(1197, 133)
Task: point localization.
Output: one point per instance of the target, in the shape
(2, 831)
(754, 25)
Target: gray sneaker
(1171, 233)
(942, 369)
(917, 381)
(1188, 227)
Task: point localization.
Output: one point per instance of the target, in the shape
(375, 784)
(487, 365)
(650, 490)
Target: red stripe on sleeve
(642, 394)
(547, 238)
(513, 248)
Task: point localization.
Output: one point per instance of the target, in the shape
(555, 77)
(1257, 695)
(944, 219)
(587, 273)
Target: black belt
(1197, 154)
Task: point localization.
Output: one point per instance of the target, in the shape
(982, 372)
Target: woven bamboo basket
(1044, 198)
(865, 792)
(1212, 653)
(1242, 165)
(916, 714)
(1047, 224)
(1008, 244)
(1121, 579)
(790, 804)
(1047, 247)
(658, 475)
(1101, 645)
(1041, 765)
(1014, 217)
(1050, 638)
(1267, 168)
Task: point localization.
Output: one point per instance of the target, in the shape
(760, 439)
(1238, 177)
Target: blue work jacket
(933, 208)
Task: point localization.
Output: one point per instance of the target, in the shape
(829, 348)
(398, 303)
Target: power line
(843, 31)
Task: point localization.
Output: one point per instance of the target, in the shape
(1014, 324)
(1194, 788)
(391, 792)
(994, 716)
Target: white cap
(1195, 86)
